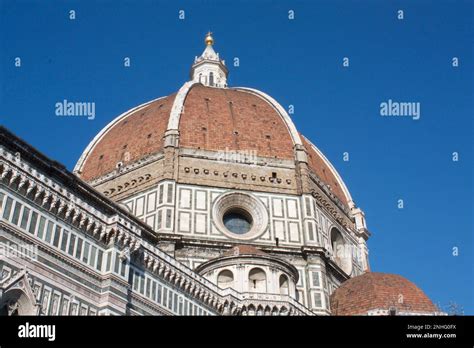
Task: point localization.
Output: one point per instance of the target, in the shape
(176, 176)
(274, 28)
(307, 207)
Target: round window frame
(243, 202)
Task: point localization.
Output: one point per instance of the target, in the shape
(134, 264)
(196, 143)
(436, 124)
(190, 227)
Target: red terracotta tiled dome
(218, 118)
(379, 291)
(136, 134)
(214, 119)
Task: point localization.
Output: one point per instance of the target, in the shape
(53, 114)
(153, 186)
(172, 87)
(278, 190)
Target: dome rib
(317, 162)
(281, 111)
(177, 109)
(218, 119)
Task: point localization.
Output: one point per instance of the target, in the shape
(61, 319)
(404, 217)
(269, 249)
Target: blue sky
(298, 62)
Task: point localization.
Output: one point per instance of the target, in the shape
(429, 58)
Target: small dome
(380, 291)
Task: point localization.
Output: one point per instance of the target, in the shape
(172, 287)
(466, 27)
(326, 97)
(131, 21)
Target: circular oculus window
(237, 221)
(240, 215)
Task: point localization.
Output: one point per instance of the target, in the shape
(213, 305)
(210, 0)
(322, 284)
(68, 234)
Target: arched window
(342, 256)
(225, 279)
(257, 280)
(251, 310)
(337, 244)
(16, 302)
(200, 78)
(284, 285)
(211, 79)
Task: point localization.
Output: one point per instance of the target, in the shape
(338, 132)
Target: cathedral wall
(234, 169)
(73, 274)
(95, 258)
(191, 215)
(187, 210)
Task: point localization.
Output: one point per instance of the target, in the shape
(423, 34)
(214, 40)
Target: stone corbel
(14, 176)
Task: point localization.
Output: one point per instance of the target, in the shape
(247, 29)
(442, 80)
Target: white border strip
(286, 118)
(177, 109)
(346, 192)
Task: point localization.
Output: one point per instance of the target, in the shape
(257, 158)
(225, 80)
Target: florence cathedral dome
(235, 192)
(214, 167)
(207, 201)
(204, 116)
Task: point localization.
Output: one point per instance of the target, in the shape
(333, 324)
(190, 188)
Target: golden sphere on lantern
(209, 39)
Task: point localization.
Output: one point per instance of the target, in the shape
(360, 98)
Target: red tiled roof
(217, 119)
(369, 291)
(137, 135)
